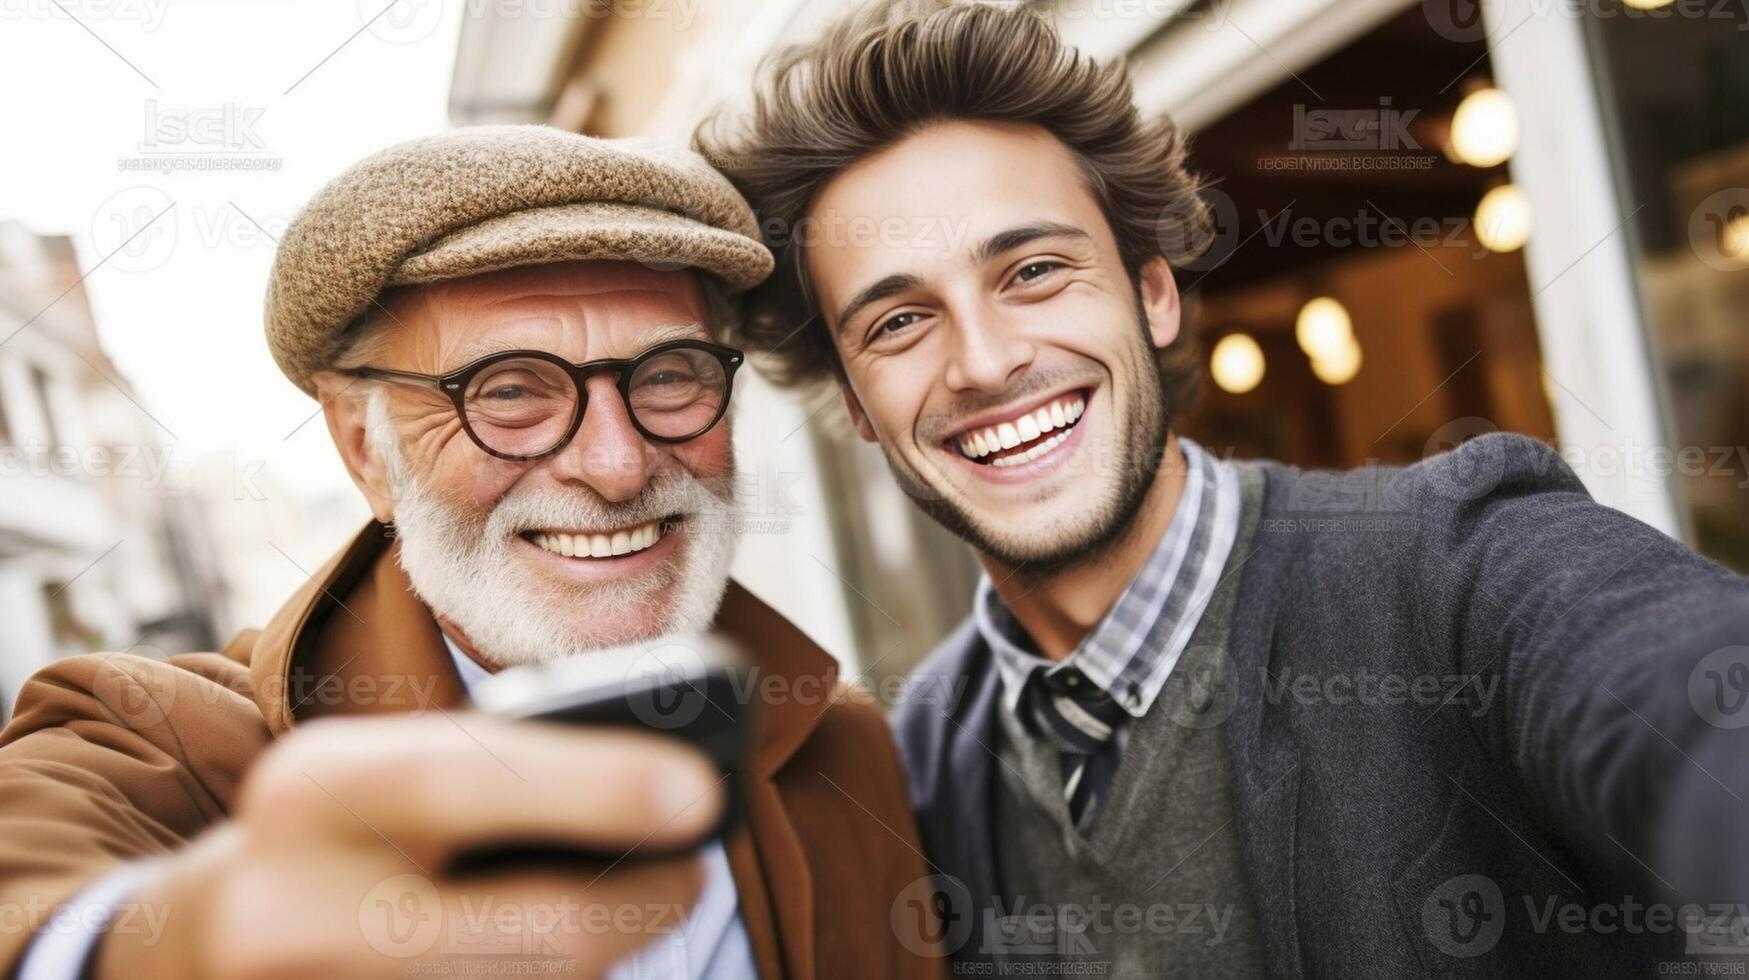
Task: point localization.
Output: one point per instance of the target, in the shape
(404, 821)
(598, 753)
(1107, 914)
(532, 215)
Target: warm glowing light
(1734, 240)
(1338, 367)
(1647, 4)
(1502, 219)
(1323, 327)
(1484, 129)
(1237, 363)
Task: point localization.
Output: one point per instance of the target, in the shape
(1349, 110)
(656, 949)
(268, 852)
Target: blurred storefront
(96, 551)
(1436, 218)
(1524, 215)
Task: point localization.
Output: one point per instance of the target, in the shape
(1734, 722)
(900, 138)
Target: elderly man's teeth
(626, 542)
(1062, 413)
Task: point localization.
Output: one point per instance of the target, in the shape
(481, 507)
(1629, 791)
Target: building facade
(98, 548)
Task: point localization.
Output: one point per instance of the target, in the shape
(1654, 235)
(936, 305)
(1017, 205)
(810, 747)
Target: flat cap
(484, 198)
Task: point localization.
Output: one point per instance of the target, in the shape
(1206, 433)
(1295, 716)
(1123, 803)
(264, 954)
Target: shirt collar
(1131, 652)
(471, 673)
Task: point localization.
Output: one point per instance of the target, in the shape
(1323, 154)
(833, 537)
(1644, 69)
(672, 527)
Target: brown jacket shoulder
(113, 758)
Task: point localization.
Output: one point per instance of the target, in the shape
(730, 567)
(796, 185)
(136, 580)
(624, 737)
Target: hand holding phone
(685, 686)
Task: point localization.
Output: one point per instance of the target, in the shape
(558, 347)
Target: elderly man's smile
(650, 541)
(598, 544)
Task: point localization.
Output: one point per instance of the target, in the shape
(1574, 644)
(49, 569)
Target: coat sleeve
(111, 758)
(895, 926)
(1622, 658)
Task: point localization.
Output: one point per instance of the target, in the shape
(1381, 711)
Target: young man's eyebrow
(880, 289)
(990, 247)
(1015, 237)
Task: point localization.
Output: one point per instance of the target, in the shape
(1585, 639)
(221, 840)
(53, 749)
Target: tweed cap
(484, 198)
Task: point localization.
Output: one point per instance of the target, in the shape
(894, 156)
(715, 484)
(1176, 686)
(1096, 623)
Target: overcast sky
(90, 86)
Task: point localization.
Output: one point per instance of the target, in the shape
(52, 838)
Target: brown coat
(113, 757)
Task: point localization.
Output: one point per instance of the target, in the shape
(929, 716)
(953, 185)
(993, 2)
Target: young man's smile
(1014, 438)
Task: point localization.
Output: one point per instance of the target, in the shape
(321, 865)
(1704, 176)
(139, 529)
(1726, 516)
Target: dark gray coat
(1558, 742)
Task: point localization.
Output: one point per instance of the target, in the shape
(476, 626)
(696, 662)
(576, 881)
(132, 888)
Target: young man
(511, 333)
(1146, 771)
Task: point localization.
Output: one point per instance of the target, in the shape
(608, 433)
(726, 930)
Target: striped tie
(1080, 719)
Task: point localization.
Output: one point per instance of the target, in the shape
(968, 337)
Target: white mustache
(545, 508)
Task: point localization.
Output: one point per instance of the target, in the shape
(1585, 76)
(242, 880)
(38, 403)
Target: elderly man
(511, 334)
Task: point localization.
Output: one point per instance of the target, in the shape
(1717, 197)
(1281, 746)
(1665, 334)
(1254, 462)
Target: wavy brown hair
(896, 66)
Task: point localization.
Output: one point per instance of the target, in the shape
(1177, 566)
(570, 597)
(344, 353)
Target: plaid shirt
(1132, 651)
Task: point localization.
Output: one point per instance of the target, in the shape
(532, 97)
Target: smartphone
(685, 686)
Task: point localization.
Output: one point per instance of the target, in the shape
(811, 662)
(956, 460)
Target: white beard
(467, 570)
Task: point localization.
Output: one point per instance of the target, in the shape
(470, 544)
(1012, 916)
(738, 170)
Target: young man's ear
(346, 407)
(1160, 301)
(853, 405)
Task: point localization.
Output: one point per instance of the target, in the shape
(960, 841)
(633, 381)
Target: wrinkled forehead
(578, 310)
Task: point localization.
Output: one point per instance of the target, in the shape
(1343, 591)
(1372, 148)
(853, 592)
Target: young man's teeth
(1032, 453)
(1059, 414)
(601, 545)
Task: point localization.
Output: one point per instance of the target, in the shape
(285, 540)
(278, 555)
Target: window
(1673, 90)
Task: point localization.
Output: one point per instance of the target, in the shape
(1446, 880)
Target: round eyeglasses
(527, 404)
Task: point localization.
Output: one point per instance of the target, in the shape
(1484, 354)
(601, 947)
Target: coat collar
(354, 639)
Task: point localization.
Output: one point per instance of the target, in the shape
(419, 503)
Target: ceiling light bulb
(1323, 327)
(1502, 220)
(1236, 363)
(1339, 366)
(1484, 129)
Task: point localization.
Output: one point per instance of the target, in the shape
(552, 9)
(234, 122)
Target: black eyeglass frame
(454, 384)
